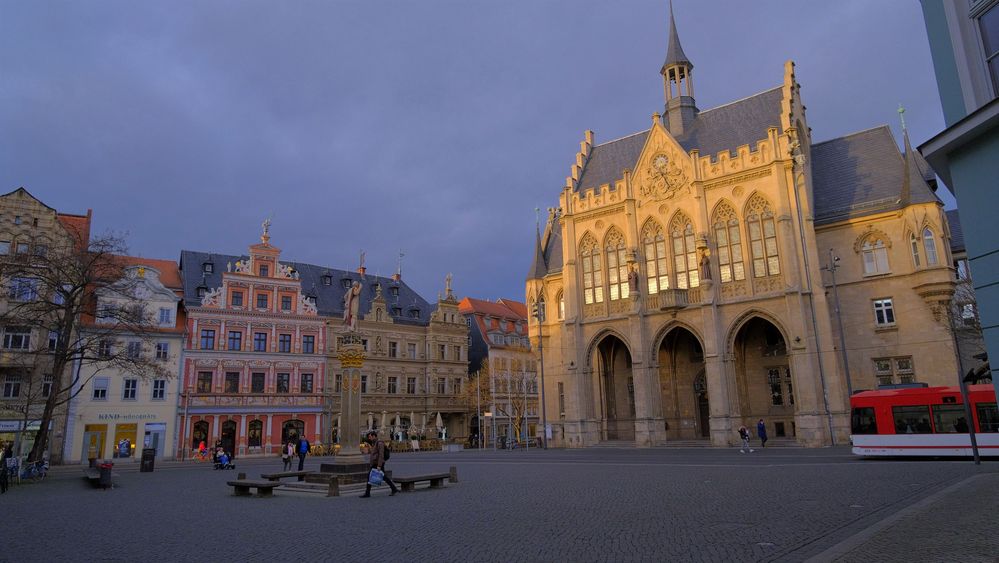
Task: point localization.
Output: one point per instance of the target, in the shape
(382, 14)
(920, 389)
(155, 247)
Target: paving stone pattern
(560, 505)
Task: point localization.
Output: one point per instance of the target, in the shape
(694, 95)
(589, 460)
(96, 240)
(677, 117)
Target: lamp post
(539, 313)
(831, 268)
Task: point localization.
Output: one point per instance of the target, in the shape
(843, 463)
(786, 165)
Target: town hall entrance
(616, 389)
(683, 387)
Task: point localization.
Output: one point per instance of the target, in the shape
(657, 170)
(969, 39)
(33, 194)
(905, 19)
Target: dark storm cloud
(436, 127)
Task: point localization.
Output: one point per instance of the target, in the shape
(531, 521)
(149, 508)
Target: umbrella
(439, 423)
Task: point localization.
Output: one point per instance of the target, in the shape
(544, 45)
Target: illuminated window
(593, 290)
(684, 252)
(762, 237)
(930, 244)
(617, 265)
(729, 241)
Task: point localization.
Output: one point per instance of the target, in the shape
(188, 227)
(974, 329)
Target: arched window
(930, 244)
(561, 305)
(681, 232)
(762, 237)
(914, 246)
(875, 256)
(253, 433)
(617, 265)
(593, 289)
(292, 430)
(656, 259)
(729, 241)
(542, 311)
(199, 434)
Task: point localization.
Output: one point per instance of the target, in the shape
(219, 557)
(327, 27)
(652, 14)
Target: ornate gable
(664, 170)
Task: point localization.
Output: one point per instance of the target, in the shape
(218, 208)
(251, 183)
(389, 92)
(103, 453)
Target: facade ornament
(228, 266)
(633, 281)
(285, 271)
(242, 267)
(307, 305)
(212, 298)
(664, 177)
(705, 265)
(266, 236)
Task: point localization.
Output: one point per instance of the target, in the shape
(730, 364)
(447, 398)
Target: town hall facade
(686, 275)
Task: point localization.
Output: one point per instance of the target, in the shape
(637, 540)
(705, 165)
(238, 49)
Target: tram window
(988, 417)
(912, 420)
(863, 421)
(949, 418)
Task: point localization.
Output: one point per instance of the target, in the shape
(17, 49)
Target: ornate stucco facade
(687, 272)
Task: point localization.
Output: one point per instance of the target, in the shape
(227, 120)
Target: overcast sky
(435, 127)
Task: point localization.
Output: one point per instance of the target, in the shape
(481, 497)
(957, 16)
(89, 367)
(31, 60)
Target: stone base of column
(582, 433)
(724, 431)
(351, 468)
(812, 431)
(650, 432)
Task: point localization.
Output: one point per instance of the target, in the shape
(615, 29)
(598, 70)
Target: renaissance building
(688, 272)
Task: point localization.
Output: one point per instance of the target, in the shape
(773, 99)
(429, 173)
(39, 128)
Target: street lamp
(539, 313)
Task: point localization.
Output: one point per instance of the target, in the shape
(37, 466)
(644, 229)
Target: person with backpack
(380, 453)
(303, 450)
(744, 434)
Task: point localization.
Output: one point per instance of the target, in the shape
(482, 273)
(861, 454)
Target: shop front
(119, 436)
(14, 432)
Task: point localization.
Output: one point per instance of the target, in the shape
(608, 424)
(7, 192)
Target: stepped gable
(851, 176)
(726, 127)
(329, 298)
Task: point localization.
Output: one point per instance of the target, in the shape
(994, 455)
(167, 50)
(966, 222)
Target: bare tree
(965, 326)
(51, 299)
(504, 393)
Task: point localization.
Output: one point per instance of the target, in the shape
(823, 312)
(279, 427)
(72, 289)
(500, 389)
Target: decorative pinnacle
(901, 115)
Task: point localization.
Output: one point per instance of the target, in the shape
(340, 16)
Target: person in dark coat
(761, 431)
(377, 459)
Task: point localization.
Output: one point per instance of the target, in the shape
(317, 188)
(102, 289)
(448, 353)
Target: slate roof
(956, 233)
(859, 174)
(329, 298)
(742, 122)
(674, 52)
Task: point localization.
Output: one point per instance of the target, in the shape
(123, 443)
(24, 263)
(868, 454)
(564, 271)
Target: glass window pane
(882, 257)
(734, 234)
(680, 264)
(989, 23)
(869, 267)
(949, 419)
(774, 265)
(737, 253)
(652, 286)
(663, 282)
(726, 274)
(723, 257)
(768, 227)
(661, 248)
(754, 231)
(757, 249)
(740, 270)
(599, 294)
(988, 417)
(863, 421)
(759, 268)
(771, 246)
(722, 236)
(613, 292)
(912, 420)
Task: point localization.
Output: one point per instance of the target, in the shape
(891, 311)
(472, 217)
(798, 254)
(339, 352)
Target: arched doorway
(291, 430)
(228, 436)
(763, 378)
(199, 434)
(682, 385)
(616, 389)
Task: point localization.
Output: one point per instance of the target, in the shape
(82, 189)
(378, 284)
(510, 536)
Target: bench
(264, 488)
(281, 474)
(408, 484)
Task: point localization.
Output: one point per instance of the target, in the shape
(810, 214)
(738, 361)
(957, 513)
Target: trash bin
(148, 455)
(105, 480)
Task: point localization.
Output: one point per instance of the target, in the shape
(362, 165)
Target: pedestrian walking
(303, 450)
(761, 431)
(3, 467)
(287, 451)
(744, 434)
(377, 458)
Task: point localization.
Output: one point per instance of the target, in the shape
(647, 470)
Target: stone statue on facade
(351, 304)
(705, 266)
(633, 281)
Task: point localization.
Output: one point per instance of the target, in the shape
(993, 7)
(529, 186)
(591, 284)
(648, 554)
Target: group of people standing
(295, 446)
(761, 432)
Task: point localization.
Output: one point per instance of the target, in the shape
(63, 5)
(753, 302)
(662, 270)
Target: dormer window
(346, 283)
(202, 291)
(414, 313)
(394, 291)
(208, 268)
(396, 311)
(327, 279)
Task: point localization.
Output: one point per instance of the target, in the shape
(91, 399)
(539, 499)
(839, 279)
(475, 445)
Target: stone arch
(723, 211)
(679, 222)
(871, 233)
(759, 205)
(599, 337)
(665, 329)
(614, 238)
(747, 316)
(587, 242)
(651, 229)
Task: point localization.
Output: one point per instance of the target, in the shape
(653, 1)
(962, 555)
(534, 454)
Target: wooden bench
(264, 488)
(436, 480)
(281, 474)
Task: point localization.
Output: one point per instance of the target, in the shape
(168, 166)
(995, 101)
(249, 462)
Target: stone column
(719, 372)
(266, 443)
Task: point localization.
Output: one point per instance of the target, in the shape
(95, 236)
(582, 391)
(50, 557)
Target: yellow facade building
(687, 274)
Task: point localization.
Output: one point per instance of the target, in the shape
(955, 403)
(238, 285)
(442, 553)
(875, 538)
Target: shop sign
(126, 417)
(18, 425)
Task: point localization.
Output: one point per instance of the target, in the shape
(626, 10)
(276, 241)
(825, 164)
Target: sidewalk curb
(849, 544)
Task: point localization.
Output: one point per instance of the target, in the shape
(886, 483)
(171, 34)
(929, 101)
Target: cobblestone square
(777, 504)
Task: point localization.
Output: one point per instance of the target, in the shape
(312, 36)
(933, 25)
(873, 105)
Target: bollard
(453, 478)
(241, 476)
(334, 490)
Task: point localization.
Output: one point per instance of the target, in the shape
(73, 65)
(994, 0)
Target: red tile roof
(77, 225)
(502, 308)
(169, 269)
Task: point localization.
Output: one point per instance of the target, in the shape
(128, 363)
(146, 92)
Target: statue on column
(351, 304)
(633, 281)
(705, 266)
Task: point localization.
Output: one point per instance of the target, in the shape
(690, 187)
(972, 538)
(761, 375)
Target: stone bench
(436, 480)
(264, 488)
(282, 474)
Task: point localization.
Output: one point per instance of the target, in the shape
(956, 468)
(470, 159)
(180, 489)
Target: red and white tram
(923, 421)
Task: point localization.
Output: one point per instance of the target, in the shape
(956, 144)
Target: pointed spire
(538, 269)
(674, 52)
(911, 172)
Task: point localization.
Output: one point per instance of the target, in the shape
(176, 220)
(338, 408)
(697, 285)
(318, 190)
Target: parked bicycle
(35, 470)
